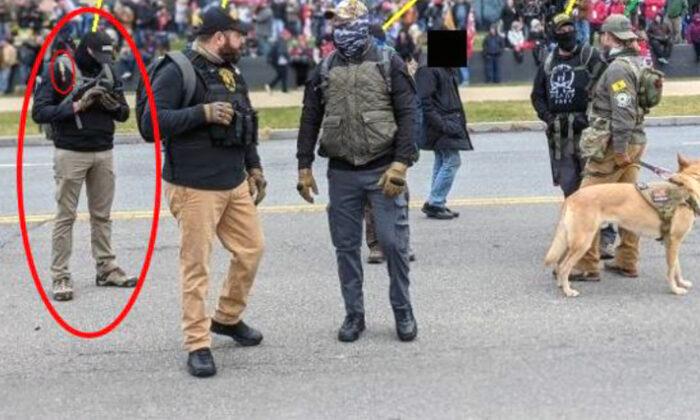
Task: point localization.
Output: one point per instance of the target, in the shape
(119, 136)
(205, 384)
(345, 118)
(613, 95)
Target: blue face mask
(352, 39)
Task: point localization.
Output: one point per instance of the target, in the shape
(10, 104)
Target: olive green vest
(358, 125)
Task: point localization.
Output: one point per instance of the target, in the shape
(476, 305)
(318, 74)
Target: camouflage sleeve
(620, 83)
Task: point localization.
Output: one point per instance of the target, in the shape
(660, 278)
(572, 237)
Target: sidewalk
(469, 94)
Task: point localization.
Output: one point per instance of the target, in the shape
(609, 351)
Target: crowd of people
(297, 34)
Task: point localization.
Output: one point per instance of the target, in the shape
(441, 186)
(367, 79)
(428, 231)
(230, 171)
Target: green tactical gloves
(393, 182)
(306, 185)
(109, 102)
(257, 184)
(218, 113)
(89, 98)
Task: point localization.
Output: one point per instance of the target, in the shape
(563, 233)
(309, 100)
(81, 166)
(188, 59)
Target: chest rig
(224, 83)
(666, 198)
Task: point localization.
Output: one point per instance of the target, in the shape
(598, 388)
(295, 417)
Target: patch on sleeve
(623, 99)
(619, 86)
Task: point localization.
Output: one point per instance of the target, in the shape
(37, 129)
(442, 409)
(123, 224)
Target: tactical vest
(225, 84)
(665, 198)
(358, 125)
(568, 87)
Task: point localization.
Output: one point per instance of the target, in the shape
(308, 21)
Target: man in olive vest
(615, 108)
(362, 96)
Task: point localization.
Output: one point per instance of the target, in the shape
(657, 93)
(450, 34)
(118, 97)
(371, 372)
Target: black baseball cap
(101, 46)
(215, 19)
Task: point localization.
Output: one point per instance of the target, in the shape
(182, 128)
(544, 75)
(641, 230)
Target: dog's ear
(682, 162)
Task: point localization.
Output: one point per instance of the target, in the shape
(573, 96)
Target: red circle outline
(20, 190)
(52, 63)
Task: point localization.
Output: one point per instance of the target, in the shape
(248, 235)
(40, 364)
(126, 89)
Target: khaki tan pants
(606, 172)
(71, 170)
(230, 215)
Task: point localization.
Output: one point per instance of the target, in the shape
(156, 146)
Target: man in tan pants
(214, 181)
(83, 132)
(616, 106)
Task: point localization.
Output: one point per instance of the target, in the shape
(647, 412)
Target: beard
(229, 53)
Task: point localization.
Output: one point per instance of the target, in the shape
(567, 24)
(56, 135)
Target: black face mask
(229, 54)
(566, 41)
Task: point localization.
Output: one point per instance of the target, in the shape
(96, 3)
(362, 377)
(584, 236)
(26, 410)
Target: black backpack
(189, 83)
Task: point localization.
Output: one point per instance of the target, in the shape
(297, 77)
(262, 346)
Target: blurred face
(229, 45)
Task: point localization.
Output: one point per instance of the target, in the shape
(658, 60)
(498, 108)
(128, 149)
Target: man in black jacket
(81, 117)
(214, 180)
(446, 134)
(363, 97)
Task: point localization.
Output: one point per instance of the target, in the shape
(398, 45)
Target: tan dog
(584, 212)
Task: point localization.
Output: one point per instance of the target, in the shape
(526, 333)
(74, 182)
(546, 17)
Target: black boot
(352, 327)
(200, 363)
(240, 332)
(434, 212)
(406, 327)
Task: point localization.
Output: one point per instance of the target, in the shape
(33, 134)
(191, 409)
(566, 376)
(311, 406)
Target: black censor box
(447, 49)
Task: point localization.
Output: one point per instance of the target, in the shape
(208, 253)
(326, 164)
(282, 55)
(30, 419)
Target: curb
(289, 134)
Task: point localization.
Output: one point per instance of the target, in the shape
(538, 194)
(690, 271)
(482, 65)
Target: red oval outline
(20, 190)
(52, 63)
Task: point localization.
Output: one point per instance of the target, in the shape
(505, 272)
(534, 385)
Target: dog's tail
(559, 244)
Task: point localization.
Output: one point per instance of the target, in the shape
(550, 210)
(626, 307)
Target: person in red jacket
(652, 8)
(617, 7)
(693, 35)
(596, 17)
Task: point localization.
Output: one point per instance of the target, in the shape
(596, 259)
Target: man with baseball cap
(615, 112)
(362, 96)
(213, 180)
(79, 111)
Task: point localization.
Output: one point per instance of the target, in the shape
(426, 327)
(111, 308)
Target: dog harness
(665, 198)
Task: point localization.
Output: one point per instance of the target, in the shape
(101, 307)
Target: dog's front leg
(679, 277)
(673, 274)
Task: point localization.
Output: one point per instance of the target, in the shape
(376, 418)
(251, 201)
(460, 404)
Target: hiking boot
(200, 363)
(406, 327)
(613, 267)
(435, 212)
(607, 251)
(115, 278)
(592, 276)
(352, 327)
(240, 332)
(62, 289)
(376, 255)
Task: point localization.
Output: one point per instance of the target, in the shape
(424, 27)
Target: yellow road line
(96, 21)
(396, 16)
(299, 208)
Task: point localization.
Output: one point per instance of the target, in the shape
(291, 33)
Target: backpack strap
(385, 66)
(189, 77)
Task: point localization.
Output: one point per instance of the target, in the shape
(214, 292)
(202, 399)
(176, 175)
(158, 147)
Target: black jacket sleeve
(48, 102)
(167, 92)
(403, 95)
(252, 158)
(310, 122)
(538, 97)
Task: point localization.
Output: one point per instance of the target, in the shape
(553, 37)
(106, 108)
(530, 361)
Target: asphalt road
(496, 337)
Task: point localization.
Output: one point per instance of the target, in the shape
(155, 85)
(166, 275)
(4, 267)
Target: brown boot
(592, 276)
(613, 267)
(115, 278)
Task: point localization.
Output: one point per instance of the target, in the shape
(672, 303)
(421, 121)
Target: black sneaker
(200, 363)
(406, 327)
(434, 212)
(240, 332)
(352, 328)
(454, 213)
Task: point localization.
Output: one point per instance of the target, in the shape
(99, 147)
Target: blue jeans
(447, 162)
(5, 80)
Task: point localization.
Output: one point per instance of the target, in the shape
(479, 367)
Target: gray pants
(71, 171)
(348, 192)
